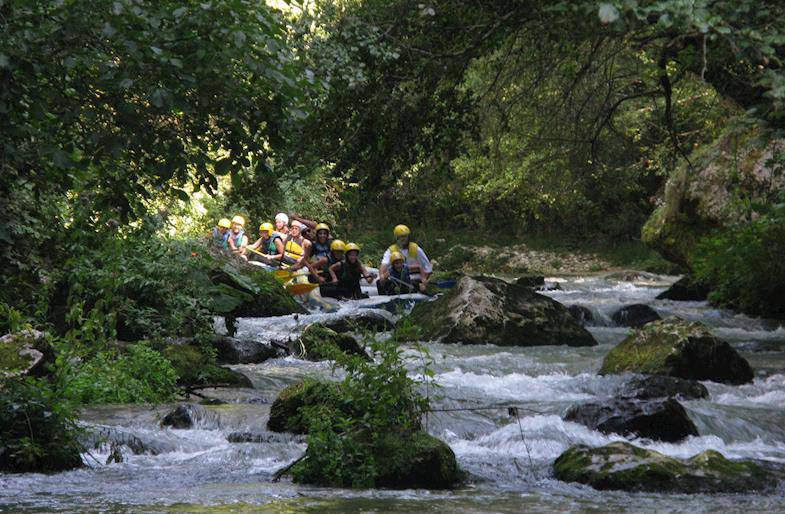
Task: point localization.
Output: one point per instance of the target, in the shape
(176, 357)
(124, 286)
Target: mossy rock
(486, 310)
(686, 289)
(25, 353)
(678, 348)
(286, 412)
(622, 466)
(318, 342)
(194, 367)
(402, 460)
(246, 292)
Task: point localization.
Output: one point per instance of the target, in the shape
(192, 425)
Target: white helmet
(282, 217)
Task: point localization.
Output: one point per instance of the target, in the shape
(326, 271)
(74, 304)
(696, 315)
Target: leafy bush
(744, 265)
(343, 444)
(38, 430)
(141, 375)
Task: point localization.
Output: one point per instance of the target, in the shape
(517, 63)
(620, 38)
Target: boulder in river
(371, 320)
(188, 415)
(686, 289)
(286, 414)
(648, 387)
(243, 351)
(661, 420)
(530, 280)
(635, 315)
(582, 315)
(678, 348)
(485, 310)
(622, 466)
(318, 342)
(25, 353)
(194, 367)
(403, 460)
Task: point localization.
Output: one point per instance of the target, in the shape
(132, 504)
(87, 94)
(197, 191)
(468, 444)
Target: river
(508, 459)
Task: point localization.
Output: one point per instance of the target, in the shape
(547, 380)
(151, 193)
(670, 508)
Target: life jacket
(271, 248)
(413, 250)
(403, 276)
(320, 250)
(349, 279)
(293, 250)
(238, 239)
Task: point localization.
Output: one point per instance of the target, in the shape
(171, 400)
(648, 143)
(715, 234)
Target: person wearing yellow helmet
(270, 243)
(297, 248)
(398, 280)
(347, 274)
(320, 251)
(419, 266)
(237, 238)
(221, 232)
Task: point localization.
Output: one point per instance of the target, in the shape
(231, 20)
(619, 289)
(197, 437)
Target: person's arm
(426, 270)
(303, 260)
(384, 266)
(232, 246)
(310, 223)
(367, 276)
(256, 244)
(333, 269)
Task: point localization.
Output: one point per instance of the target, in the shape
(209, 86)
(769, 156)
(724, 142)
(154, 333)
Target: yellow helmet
(396, 256)
(322, 226)
(239, 220)
(224, 223)
(267, 227)
(352, 247)
(401, 230)
(337, 246)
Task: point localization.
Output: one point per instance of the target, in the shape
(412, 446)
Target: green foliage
(140, 375)
(343, 444)
(38, 431)
(743, 265)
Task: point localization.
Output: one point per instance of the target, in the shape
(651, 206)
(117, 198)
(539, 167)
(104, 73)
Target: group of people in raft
(329, 262)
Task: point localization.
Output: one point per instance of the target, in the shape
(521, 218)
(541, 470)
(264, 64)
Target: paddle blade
(298, 289)
(282, 275)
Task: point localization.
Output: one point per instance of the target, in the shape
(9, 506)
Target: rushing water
(508, 459)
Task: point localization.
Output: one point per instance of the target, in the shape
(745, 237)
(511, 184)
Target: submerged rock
(661, 420)
(25, 353)
(581, 314)
(364, 320)
(485, 310)
(187, 416)
(686, 289)
(403, 460)
(243, 351)
(530, 280)
(660, 386)
(678, 348)
(635, 315)
(318, 342)
(622, 466)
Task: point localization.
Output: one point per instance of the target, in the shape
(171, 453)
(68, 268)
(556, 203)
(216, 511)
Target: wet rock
(635, 315)
(678, 348)
(244, 351)
(25, 353)
(187, 416)
(364, 320)
(404, 460)
(581, 314)
(318, 342)
(263, 437)
(485, 310)
(622, 466)
(530, 280)
(659, 386)
(686, 289)
(195, 368)
(286, 411)
(107, 437)
(661, 420)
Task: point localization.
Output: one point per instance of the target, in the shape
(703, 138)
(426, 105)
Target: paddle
(298, 289)
(411, 287)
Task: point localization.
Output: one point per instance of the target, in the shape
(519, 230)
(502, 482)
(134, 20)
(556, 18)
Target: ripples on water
(193, 470)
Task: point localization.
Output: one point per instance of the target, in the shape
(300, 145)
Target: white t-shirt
(422, 260)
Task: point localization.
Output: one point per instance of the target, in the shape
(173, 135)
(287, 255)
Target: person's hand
(423, 287)
(320, 279)
(335, 281)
